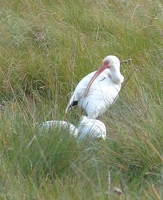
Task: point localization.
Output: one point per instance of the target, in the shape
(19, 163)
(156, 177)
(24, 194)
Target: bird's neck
(117, 77)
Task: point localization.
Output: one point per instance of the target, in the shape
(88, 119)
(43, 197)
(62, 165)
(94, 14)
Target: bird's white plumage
(87, 128)
(103, 91)
(91, 128)
(61, 125)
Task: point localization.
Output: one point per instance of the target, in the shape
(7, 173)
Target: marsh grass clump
(33, 151)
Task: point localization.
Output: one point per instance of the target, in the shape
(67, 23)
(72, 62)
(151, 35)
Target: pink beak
(104, 66)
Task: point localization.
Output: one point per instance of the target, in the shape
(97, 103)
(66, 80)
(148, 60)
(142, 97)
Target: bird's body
(97, 91)
(60, 125)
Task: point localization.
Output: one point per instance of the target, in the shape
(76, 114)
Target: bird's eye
(106, 63)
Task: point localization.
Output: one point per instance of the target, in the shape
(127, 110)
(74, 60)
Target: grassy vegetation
(46, 47)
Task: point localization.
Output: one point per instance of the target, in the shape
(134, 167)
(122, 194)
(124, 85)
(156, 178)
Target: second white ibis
(87, 128)
(97, 91)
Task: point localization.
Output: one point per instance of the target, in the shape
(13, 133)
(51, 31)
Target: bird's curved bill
(98, 72)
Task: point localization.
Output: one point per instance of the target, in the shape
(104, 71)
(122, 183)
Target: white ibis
(87, 128)
(97, 91)
(91, 128)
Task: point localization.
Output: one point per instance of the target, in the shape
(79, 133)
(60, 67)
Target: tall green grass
(46, 47)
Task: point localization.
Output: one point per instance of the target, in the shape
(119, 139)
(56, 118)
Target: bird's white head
(113, 64)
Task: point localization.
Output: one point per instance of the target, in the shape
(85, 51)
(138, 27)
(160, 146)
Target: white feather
(61, 125)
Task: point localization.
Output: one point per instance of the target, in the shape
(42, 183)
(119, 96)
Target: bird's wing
(75, 98)
(79, 91)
